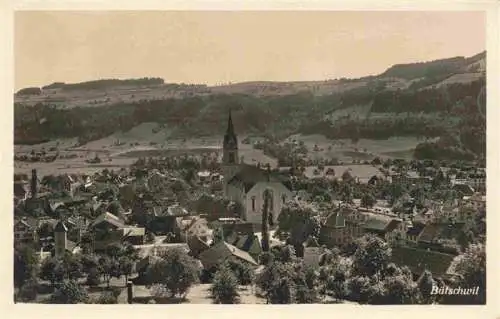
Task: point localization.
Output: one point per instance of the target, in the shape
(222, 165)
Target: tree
(284, 253)
(25, 265)
(346, 193)
(93, 277)
(307, 286)
(299, 221)
(69, 292)
(28, 291)
(265, 222)
(471, 266)
(241, 271)
(176, 272)
(107, 298)
(359, 289)
(72, 266)
(106, 268)
(425, 284)
(346, 176)
(368, 200)
(224, 289)
(400, 289)
(126, 266)
(52, 270)
(372, 256)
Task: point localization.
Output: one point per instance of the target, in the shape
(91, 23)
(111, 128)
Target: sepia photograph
(249, 157)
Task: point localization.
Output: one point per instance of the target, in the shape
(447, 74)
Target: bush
(225, 287)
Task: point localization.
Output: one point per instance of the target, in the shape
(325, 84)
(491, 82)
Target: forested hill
(432, 99)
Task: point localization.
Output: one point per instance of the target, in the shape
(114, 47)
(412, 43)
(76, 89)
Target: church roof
(249, 175)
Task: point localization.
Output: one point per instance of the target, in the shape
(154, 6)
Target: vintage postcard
(250, 157)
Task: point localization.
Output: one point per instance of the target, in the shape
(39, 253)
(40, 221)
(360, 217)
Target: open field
(345, 151)
(122, 149)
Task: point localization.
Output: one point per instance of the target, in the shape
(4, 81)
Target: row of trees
(64, 272)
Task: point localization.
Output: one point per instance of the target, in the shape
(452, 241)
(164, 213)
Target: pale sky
(215, 47)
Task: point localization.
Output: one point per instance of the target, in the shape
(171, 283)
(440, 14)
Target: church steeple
(230, 136)
(230, 146)
(230, 127)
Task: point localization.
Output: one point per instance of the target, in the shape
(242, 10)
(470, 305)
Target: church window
(283, 198)
(253, 203)
(231, 157)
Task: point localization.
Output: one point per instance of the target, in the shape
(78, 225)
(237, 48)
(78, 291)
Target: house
(68, 183)
(476, 180)
(106, 229)
(438, 236)
(475, 201)
(409, 178)
(164, 221)
(390, 229)
(233, 225)
(247, 242)
(414, 231)
(133, 235)
(196, 246)
(341, 227)
(246, 184)
(107, 221)
(25, 230)
(21, 189)
(312, 252)
(221, 252)
(463, 188)
(192, 226)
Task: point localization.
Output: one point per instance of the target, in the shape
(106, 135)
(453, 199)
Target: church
(246, 184)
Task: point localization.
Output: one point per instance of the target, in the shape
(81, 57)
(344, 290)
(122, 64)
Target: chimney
(34, 183)
(130, 291)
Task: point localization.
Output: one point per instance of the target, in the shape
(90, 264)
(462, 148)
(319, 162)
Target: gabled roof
(416, 229)
(197, 245)
(218, 253)
(55, 204)
(24, 223)
(432, 232)
(133, 231)
(393, 224)
(377, 222)
(108, 218)
(20, 188)
(249, 175)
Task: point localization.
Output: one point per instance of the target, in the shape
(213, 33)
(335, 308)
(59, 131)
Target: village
(231, 227)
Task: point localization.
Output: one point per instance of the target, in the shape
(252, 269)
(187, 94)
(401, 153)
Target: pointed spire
(230, 138)
(230, 127)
